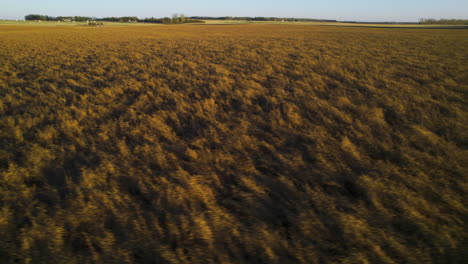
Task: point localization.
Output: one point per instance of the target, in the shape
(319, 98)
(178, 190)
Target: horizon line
(215, 17)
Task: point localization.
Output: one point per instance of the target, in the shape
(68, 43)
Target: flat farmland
(233, 144)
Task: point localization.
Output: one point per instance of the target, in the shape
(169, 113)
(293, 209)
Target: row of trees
(81, 18)
(119, 19)
(39, 17)
(443, 21)
(263, 19)
(74, 18)
(181, 19)
(59, 18)
(176, 19)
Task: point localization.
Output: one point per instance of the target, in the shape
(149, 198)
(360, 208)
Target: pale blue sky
(361, 10)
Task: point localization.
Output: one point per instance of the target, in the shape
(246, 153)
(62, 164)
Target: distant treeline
(176, 19)
(443, 21)
(59, 18)
(263, 19)
(119, 19)
(81, 18)
(181, 19)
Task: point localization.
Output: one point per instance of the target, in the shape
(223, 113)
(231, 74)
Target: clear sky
(360, 10)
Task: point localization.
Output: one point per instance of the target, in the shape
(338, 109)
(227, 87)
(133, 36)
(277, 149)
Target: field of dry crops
(233, 144)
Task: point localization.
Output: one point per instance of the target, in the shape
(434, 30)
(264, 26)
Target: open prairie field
(233, 144)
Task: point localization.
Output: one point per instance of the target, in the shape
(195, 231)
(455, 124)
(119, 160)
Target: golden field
(233, 144)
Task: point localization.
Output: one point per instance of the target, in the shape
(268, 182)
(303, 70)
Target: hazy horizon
(362, 10)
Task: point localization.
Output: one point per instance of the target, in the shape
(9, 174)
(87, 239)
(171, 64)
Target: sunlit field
(233, 144)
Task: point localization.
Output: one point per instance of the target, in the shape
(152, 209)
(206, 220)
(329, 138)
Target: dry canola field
(233, 144)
